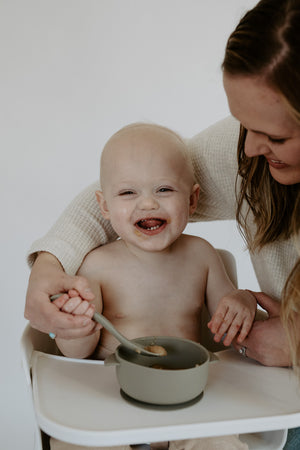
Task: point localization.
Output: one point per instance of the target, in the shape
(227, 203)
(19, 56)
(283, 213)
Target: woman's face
(272, 132)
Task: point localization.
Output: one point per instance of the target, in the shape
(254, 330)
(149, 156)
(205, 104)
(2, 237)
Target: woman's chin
(286, 176)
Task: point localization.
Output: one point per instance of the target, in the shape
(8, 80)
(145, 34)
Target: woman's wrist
(47, 258)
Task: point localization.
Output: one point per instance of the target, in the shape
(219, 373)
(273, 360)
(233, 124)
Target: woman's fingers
(73, 306)
(75, 333)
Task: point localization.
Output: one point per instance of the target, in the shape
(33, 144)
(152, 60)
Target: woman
(260, 187)
(259, 81)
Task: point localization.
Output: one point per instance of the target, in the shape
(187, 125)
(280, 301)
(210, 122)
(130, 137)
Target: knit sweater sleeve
(78, 230)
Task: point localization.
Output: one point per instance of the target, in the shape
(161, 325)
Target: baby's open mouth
(151, 224)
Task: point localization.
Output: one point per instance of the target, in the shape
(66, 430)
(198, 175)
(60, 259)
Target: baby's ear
(102, 204)
(194, 198)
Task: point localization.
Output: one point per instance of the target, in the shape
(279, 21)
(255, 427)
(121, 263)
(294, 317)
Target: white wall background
(72, 73)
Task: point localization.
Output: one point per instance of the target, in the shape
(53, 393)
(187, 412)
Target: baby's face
(148, 188)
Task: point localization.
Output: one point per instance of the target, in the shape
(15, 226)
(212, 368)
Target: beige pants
(215, 443)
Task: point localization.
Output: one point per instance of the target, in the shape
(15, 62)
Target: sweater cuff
(69, 257)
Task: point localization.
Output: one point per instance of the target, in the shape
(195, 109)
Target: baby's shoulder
(198, 249)
(101, 257)
(197, 243)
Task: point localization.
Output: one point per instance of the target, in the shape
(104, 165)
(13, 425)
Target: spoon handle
(121, 338)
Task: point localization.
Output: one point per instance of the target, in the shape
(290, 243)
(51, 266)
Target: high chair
(79, 401)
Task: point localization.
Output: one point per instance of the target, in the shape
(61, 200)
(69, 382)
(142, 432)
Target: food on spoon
(158, 349)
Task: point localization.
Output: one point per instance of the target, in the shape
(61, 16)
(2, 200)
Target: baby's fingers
(240, 328)
(59, 300)
(224, 328)
(71, 305)
(85, 308)
(217, 319)
(233, 330)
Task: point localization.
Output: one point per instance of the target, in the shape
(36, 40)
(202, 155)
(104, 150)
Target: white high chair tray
(79, 401)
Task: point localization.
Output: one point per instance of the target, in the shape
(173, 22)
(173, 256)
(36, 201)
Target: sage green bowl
(181, 378)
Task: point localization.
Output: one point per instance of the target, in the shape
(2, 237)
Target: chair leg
(45, 441)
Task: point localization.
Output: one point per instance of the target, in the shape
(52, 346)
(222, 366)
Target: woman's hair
(266, 44)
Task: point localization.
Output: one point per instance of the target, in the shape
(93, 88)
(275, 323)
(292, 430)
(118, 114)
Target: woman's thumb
(79, 284)
(268, 303)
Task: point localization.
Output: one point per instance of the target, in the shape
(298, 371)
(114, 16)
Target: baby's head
(147, 182)
(137, 143)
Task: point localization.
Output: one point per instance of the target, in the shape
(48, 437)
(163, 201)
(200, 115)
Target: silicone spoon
(121, 338)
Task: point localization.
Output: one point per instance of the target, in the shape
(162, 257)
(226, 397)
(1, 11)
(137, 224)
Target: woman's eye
(276, 140)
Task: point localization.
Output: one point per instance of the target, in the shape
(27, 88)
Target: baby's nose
(148, 202)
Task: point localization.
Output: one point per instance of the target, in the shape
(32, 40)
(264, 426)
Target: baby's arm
(233, 310)
(83, 346)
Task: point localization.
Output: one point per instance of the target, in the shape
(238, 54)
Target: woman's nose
(256, 144)
(148, 202)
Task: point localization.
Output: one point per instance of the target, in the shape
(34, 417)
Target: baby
(154, 280)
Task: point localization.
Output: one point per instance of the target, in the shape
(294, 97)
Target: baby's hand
(234, 316)
(75, 305)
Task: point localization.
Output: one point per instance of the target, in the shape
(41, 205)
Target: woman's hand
(267, 342)
(48, 278)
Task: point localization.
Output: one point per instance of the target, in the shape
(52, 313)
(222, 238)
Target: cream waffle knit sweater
(81, 227)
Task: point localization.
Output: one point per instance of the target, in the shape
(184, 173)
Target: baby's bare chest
(153, 302)
(138, 292)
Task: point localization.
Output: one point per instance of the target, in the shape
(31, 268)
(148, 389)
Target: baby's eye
(165, 189)
(126, 192)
